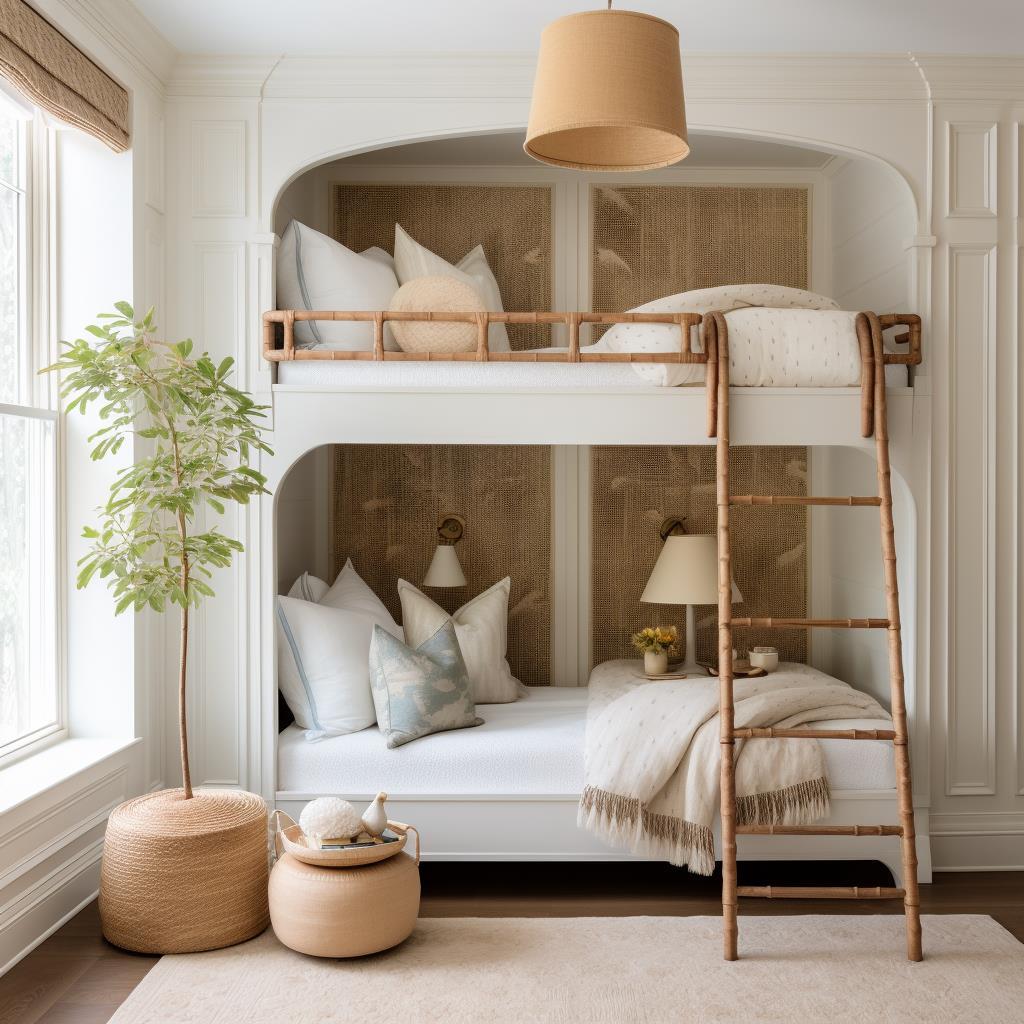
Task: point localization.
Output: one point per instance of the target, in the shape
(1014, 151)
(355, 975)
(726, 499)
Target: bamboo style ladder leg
(718, 349)
(901, 750)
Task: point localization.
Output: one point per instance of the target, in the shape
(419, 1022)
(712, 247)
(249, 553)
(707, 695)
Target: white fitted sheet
(560, 376)
(531, 747)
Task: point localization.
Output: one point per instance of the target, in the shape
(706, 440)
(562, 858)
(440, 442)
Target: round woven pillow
(436, 295)
(181, 876)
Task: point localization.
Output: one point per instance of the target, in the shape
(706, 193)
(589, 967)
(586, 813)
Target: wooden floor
(75, 977)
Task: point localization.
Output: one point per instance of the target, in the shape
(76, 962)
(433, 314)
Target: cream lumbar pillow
(316, 272)
(481, 626)
(436, 295)
(413, 260)
(667, 337)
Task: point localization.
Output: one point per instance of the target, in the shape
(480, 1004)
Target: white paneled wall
(949, 129)
(978, 199)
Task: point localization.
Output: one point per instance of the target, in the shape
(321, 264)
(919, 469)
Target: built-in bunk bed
(510, 788)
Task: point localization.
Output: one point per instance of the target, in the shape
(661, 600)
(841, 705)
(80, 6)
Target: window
(30, 696)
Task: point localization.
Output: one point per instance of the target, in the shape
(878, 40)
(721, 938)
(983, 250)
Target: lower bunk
(509, 789)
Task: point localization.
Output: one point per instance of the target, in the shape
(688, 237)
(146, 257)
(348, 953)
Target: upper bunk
(800, 376)
(541, 239)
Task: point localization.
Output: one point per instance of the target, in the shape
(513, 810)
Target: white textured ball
(330, 817)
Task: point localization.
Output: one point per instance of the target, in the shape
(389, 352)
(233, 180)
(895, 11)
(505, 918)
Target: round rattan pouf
(181, 876)
(343, 912)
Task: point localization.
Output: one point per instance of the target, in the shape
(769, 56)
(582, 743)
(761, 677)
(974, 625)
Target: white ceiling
(506, 150)
(513, 26)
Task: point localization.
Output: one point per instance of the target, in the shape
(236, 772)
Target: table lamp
(686, 573)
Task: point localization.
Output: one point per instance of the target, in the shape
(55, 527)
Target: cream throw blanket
(651, 780)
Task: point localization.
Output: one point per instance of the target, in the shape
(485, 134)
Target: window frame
(38, 397)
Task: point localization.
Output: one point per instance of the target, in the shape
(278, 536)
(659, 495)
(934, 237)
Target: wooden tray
(291, 839)
(740, 670)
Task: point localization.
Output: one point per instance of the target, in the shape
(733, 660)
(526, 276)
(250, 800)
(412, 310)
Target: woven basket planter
(181, 876)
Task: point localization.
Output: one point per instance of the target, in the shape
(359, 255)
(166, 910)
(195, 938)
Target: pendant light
(608, 93)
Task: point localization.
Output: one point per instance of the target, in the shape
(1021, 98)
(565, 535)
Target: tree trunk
(186, 777)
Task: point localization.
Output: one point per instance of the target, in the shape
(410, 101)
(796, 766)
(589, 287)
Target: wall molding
(972, 191)
(219, 168)
(969, 339)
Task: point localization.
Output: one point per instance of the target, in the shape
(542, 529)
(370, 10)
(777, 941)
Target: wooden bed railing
(482, 353)
(713, 329)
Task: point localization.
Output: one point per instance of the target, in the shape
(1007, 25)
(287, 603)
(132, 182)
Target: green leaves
(195, 435)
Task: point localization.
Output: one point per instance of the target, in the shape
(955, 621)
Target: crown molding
(953, 77)
(219, 76)
(723, 77)
(727, 77)
(119, 26)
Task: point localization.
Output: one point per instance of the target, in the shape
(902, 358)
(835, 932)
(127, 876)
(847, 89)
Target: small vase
(655, 663)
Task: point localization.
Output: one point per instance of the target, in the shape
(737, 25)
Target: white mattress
(531, 747)
(366, 374)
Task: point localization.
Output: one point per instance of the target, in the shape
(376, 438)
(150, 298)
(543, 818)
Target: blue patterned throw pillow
(417, 692)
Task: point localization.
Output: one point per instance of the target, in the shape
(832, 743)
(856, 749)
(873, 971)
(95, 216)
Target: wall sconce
(445, 570)
(686, 573)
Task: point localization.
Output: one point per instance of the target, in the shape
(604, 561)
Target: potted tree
(182, 870)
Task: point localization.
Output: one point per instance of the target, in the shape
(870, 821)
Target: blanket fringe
(794, 805)
(627, 822)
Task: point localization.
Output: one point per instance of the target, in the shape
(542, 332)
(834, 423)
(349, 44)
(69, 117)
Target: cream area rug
(631, 970)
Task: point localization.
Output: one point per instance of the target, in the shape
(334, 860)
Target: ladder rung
(796, 499)
(819, 830)
(822, 623)
(830, 892)
(770, 732)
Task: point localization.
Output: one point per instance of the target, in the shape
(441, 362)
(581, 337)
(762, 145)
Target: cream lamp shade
(686, 572)
(445, 569)
(608, 94)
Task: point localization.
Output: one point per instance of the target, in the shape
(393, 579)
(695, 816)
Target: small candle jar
(766, 658)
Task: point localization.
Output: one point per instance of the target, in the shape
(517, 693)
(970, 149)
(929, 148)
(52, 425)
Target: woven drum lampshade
(608, 94)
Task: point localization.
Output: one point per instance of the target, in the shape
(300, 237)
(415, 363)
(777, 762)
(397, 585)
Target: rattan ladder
(873, 421)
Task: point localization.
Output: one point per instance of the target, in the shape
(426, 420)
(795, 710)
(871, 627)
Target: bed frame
(506, 827)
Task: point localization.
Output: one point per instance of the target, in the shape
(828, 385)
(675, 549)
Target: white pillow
(413, 260)
(353, 594)
(323, 666)
(316, 272)
(481, 626)
(665, 337)
(308, 588)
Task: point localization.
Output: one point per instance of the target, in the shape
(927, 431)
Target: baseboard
(975, 841)
(37, 913)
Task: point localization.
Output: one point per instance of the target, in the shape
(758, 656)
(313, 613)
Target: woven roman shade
(53, 73)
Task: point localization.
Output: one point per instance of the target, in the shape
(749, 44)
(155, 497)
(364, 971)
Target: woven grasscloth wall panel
(633, 490)
(656, 240)
(511, 222)
(387, 501)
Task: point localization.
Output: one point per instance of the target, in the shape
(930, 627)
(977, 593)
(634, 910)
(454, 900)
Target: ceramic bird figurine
(375, 818)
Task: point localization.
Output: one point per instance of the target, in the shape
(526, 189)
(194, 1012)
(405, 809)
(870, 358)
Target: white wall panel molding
(218, 684)
(219, 168)
(972, 176)
(155, 192)
(1017, 319)
(971, 698)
